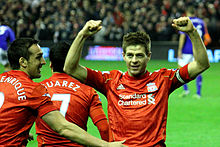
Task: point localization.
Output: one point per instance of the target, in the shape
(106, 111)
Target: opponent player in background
(22, 100)
(76, 101)
(185, 49)
(137, 99)
(7, 36)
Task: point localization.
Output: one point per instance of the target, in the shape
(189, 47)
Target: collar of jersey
(137, 78)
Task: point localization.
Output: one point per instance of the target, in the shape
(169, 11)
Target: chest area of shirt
(137, 95)
(137, 86)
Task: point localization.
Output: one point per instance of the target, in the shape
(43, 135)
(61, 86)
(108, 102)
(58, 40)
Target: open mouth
(134, 67)
(39, 69)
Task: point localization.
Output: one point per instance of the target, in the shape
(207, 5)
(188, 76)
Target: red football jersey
(21, 100)
(76, 102)
(137, 107)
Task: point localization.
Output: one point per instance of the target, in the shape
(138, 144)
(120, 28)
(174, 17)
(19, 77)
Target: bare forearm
(71, 131)
(199, 50)
(81, 136)
(74, 54)
(181, 43)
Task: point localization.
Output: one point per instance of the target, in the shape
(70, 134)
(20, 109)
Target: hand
(183, 24)
(30, 137)
(117, 144)
(91, 27)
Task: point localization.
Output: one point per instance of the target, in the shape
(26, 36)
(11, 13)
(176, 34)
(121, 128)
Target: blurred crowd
(62, 19)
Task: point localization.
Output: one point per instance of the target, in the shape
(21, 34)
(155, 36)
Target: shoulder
(111, 73)
(197, 20)
(35, 89)
(164, 71)
(116, 74)
(83, 87)
(3, 27)
(6, 28)
(44, 81)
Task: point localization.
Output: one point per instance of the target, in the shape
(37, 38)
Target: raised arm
(181, 44)
(201, 62)
(71, 131)
(72, 66)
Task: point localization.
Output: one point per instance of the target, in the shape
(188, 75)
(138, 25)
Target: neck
(137, 75)
(25, 72)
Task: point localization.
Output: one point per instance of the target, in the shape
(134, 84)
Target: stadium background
(57, 20)
(191, 122)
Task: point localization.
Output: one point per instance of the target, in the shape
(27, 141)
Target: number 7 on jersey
(65, 98)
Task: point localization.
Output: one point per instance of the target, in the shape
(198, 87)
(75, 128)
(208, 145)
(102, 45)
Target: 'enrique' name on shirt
(17, 85)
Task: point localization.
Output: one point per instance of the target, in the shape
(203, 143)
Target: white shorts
(186, 58)
(3, 57)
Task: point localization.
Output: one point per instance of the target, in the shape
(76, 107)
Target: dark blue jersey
(200, 26)
(6, 34)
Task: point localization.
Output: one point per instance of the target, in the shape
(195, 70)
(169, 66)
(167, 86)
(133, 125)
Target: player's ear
(23, 62)
(51, 66)
(149, 55)
(123, 54)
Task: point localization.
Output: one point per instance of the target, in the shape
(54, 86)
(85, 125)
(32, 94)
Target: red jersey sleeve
(183, 75)
(98, 117)
(40, 100)
(98, 79)
(180, 77)
(96, 110)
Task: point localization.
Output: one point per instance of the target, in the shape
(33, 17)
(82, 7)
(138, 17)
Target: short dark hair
(57, 55)
(137, 38)
(19, 48)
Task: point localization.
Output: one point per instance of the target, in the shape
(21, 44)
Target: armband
(179, 77)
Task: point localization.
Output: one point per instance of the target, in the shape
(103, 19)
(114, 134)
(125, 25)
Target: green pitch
(191, 122)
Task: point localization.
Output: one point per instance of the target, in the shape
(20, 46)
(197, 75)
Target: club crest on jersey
(120, 87)
(151, 87)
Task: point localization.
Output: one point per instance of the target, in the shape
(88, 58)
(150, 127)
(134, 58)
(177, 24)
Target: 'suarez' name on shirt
(64, 83)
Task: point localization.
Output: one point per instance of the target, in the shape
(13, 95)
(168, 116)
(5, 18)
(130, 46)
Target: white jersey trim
(179, 77)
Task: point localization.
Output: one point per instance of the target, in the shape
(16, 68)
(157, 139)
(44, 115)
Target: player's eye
(39, 57)
(140, 55)
(129, 55)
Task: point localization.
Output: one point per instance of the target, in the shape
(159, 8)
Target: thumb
(174, 26)
(122, 141)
